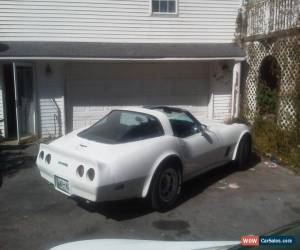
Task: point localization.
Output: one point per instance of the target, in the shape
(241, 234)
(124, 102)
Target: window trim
(167, 14)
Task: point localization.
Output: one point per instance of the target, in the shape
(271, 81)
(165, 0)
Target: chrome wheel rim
(168, 185)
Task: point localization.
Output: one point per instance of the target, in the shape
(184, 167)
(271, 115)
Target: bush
(269, 139)
(267, 99)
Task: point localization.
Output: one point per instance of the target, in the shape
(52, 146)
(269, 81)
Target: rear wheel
(165, 187)
(243, 153)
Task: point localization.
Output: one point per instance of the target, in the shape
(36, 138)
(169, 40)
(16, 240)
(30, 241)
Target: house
(64, 64)
(270, 32)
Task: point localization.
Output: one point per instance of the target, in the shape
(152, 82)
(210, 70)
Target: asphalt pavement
(220, 205)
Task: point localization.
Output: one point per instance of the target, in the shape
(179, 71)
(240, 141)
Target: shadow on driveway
(13, 159)
(199, 184)
(130, 209)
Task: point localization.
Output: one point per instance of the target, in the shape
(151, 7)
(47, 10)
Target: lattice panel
(285, 51)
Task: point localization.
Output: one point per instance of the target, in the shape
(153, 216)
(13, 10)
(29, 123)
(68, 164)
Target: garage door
(93, 89)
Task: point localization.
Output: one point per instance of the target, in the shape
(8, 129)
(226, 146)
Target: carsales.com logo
(275, 240)
(250, 241)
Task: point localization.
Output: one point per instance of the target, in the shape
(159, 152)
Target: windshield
(123, 126)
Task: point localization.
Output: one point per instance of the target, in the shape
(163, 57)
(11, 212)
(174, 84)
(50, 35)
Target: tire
(165, 187)
(243, 153)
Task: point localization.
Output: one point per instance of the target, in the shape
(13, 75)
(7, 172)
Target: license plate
(61, 184)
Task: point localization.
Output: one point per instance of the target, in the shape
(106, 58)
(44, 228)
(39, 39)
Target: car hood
(145, 245)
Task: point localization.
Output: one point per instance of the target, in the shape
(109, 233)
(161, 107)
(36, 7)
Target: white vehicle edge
(105, 172)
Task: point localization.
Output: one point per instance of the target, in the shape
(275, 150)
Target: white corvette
(140, 152)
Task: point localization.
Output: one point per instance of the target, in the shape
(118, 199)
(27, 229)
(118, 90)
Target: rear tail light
(80, 171)
(48, 158)
(91, 174)
(41, 155)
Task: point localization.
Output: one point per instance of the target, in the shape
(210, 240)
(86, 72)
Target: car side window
(182, 124)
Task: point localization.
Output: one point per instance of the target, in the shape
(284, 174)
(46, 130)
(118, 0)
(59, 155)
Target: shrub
(269, 139)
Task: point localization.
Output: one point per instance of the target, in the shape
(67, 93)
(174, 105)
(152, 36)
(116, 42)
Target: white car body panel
(146, 245)
(125, 170)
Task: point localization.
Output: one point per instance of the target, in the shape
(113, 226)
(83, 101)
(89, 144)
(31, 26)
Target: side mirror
(203, 128)
(198, 129)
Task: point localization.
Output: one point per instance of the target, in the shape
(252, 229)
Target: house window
(164, 6)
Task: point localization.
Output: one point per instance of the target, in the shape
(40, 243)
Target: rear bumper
(76, 188)
(96, 193)
(108, 184)
(64, 164)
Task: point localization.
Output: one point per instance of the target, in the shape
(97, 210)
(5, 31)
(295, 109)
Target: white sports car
(140, 152)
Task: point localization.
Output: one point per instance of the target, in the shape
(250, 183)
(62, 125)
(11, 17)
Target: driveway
(221, 205)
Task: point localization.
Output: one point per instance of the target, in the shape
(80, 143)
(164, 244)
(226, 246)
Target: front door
(199, 146)
(25, 108)
(19, 101)
(200, 151)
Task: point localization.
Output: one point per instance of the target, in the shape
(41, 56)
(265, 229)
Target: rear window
(123, 126)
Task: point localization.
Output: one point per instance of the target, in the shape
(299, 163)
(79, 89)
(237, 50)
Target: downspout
(16, 101)
(57, 118)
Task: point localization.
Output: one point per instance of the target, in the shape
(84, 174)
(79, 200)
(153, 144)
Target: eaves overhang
(120, 51)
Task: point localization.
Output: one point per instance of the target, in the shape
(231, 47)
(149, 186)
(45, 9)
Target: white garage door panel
(95, 89)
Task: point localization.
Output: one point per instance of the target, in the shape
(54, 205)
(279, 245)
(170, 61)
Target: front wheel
(166, 187)
(243, 153)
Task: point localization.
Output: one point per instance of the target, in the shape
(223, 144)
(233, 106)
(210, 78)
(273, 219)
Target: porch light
(48, 70)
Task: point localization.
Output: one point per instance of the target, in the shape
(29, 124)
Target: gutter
(100, 59)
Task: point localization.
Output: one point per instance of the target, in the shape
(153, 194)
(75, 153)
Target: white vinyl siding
(51, 99)
(199, 21)
(220, 90)
(95, 89)
(222, 107)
